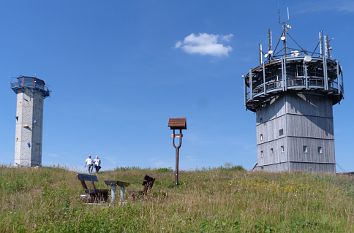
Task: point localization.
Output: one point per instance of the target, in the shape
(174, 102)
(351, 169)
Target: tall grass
(216, 200)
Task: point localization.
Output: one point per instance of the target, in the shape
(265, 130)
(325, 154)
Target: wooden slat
(86, 177)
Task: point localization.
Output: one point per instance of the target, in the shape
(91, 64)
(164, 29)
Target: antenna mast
(260, 54)
(320, 36)
(286, 27)
(287, 11)
(269, 44)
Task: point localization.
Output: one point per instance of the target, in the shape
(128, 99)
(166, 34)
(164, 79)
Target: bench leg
(122, 194)
(113, 193)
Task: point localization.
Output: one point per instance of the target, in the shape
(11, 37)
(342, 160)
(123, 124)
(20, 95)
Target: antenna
(326, 46)
(287, 11)
(269, 40)
(269, 45)
(260, 53)
(287, 15)
(329, 48)
(320, 37)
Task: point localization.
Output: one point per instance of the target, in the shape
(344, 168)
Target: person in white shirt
(97, 164)
(89, 164)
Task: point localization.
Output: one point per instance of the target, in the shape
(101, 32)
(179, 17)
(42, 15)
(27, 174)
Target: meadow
(211, 200)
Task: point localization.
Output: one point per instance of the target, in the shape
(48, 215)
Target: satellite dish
(307, 58)
(282, 38)
(295, 53)
(270, 51)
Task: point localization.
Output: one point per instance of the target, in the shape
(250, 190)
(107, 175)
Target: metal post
(177, 167)
(177, 124)
(324, 61)
(284, 63)
(264, 79)
(284, 41)
(283, 74)
(305, 74)
(250, 83)
(245, 92)
(174, 135)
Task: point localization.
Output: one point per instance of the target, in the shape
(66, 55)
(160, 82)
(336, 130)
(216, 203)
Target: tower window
(305, 149)
(320, 150)
(261, 154)
(281, 132)
(282, 148)
(261, 137)
(271, 150)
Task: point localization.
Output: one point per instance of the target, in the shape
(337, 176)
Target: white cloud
(205, 44)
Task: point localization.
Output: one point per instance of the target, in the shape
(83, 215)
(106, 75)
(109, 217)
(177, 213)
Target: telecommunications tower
(292, 92)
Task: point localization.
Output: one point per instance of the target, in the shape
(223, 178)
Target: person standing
(97, 164)
(89, 164)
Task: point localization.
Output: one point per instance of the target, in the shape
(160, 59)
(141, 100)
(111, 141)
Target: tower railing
(30, 83)
(296, 75)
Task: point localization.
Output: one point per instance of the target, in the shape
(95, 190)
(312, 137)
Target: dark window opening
(305, 149)
(281, 132)
(320, 150)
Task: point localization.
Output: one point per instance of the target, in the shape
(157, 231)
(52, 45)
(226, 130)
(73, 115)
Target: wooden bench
(147, 183)
(93, 195)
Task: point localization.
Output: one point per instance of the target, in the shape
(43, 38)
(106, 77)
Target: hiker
(89, 164)
(97, 164)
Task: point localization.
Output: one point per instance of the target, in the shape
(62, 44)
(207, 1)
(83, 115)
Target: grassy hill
(217, 200)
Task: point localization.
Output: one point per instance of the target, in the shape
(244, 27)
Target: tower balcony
(31, 83)
(295, 74)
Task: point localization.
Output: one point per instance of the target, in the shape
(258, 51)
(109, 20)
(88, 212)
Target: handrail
(314, 82)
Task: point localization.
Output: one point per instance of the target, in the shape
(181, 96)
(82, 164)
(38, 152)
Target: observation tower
(292, 92)
(31, 92)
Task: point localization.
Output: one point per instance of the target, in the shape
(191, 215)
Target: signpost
(177, 124)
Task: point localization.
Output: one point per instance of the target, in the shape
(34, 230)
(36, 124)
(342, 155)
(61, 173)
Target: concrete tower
(31, 92)
(292, 91)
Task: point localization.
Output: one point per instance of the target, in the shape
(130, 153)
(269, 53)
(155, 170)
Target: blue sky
(119, 69)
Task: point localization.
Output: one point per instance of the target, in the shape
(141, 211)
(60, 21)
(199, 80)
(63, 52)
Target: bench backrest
(86, 177)
(148, 183)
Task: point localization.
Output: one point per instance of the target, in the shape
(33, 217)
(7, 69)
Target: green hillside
(216, 200)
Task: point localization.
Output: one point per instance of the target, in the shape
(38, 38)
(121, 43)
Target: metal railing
(313, 82)
(31, 85)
